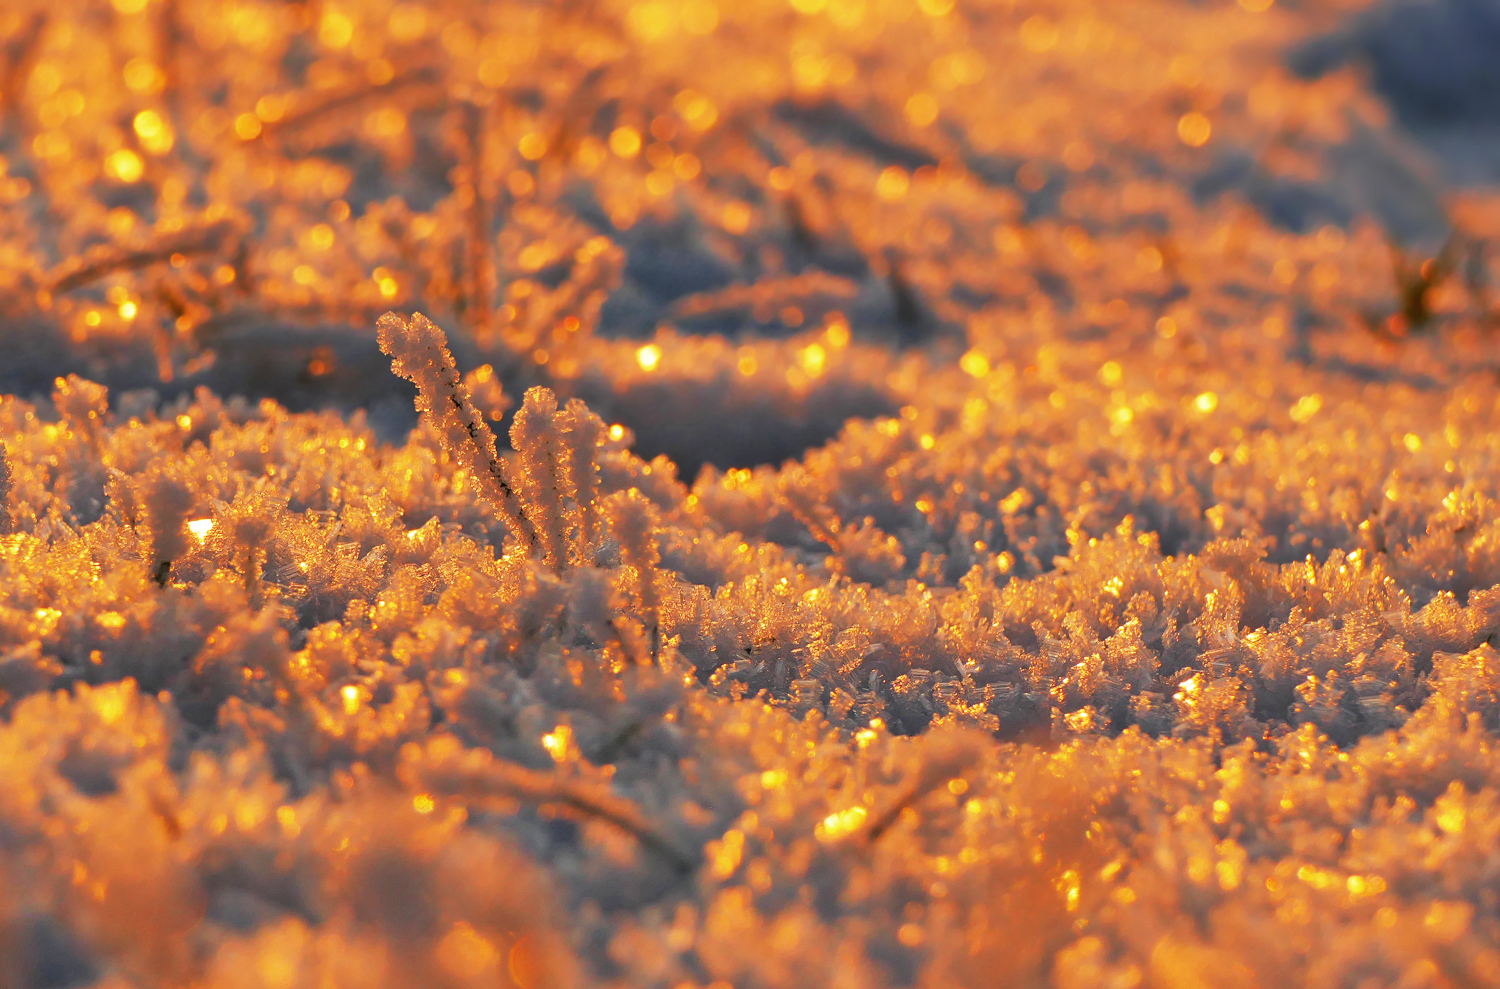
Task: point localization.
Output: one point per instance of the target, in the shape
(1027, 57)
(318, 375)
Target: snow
(997, 493)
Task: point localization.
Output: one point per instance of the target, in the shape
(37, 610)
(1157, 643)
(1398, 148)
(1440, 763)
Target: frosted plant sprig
(250, 524)
(5, 485)
(537, 436)
(419, 352)
(418, 86)
(83, 405)
(632, 519)
(20, 56)
(478, 277)
(559, 458)
(795, 486)
(946, 758)
(590, 607)
(167, 501)
(478, 776)
(215, 235)
(584, 431)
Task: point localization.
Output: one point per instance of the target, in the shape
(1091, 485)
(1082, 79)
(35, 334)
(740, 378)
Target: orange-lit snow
(871, 493)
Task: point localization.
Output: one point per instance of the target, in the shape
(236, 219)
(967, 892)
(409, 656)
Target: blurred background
(226, 193)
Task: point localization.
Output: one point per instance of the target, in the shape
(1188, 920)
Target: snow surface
(998, 493)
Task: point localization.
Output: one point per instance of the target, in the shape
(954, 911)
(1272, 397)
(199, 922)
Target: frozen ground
(998, 493)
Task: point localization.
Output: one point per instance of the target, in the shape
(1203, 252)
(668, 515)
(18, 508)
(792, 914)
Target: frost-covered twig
(20, 55)
(5, 484)
(83, 405)
(574, 306)
(585, 431)
(167, 499)
(419, 352)
(536, 435)
(251, 524)
(170, 39)
(775, 292)
(590, 607)
(559, 450)
(946, 759)
(633, 521)
(1415, 283)
(294, 122)
(476, 779)
(479, 270)
(795, 488)
(209, 238)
